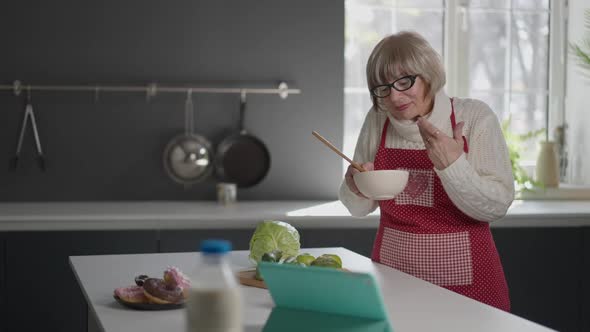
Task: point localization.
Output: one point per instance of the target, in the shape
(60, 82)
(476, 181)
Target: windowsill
(563, 192)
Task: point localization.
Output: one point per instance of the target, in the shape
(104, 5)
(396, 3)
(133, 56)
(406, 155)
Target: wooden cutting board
(247, 278)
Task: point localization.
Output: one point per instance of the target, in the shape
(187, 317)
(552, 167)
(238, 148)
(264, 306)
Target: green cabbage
(274, 235)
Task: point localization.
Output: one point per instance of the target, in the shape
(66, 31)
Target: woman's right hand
(350, 180)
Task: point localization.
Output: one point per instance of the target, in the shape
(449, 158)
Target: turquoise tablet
(324, 290)
(294, 320)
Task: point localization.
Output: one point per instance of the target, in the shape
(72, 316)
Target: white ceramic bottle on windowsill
(547, 170)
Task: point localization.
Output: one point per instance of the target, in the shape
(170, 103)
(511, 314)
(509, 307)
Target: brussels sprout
(305, 259)
(287, 259)
(293, 261)
(334, 257)
(273, 256)
(324, 261)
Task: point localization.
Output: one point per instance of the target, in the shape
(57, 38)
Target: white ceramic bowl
(381, 184)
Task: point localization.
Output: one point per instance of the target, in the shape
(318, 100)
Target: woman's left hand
(442, 149)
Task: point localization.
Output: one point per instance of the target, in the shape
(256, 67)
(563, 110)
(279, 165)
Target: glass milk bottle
(215, 302)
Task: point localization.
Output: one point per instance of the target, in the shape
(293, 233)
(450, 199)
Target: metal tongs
(29, 114)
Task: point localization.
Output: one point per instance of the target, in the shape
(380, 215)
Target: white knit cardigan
(480, 183)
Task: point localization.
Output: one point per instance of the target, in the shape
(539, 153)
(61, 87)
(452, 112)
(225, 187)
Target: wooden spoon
(335, 149)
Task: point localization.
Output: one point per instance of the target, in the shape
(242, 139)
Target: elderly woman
(460, 178)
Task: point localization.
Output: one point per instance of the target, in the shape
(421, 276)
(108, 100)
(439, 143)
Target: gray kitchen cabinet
(585, 308)
(40, 286)
(547, 269)
(3, 317)
(186, 240)
(357, 240)
(543, 268)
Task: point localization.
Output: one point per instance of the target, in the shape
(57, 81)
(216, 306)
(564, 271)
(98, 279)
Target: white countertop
(412, 304)
(245, 215)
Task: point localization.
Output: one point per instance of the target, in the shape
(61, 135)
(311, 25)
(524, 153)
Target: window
(505, 44)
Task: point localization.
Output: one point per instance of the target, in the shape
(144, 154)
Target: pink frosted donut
(131, 294)
(174, 277)
(157, 291)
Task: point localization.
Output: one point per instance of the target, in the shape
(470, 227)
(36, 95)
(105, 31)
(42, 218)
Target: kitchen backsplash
(111, 149)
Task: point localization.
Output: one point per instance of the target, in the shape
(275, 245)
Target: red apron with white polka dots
(424, 234)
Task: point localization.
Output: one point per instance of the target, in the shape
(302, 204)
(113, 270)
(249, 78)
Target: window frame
(455, 12)
(455, 55)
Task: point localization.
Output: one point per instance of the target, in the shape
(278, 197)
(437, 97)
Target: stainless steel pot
(187, 157)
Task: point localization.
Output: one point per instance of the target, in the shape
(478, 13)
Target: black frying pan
(242, 158)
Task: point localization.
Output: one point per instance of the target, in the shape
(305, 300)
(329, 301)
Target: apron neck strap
(453, 124)
(384, 133)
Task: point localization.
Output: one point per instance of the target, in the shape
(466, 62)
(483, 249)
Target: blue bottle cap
(215, 246)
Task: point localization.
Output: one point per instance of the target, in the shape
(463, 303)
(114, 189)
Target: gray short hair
(404, 53)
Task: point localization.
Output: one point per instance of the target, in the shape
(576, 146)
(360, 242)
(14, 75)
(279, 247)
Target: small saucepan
(242, 158)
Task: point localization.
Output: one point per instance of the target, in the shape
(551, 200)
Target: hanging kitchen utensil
(242, 158)
(29, 114)
(187, 157)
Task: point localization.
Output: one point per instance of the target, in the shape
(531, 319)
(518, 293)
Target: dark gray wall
(112, 149)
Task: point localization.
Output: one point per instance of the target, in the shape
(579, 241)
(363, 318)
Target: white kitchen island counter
(413, 304)
(245, 215)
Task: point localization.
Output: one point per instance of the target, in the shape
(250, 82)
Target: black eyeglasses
(401, 84)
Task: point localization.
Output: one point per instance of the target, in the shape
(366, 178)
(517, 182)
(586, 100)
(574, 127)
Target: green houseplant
(578, 49)
(515, 148)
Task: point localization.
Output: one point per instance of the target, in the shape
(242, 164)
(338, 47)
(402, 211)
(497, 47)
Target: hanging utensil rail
(151, 90)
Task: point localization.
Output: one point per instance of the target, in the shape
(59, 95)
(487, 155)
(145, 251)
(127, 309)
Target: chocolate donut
(157, 291)
(140, 279)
